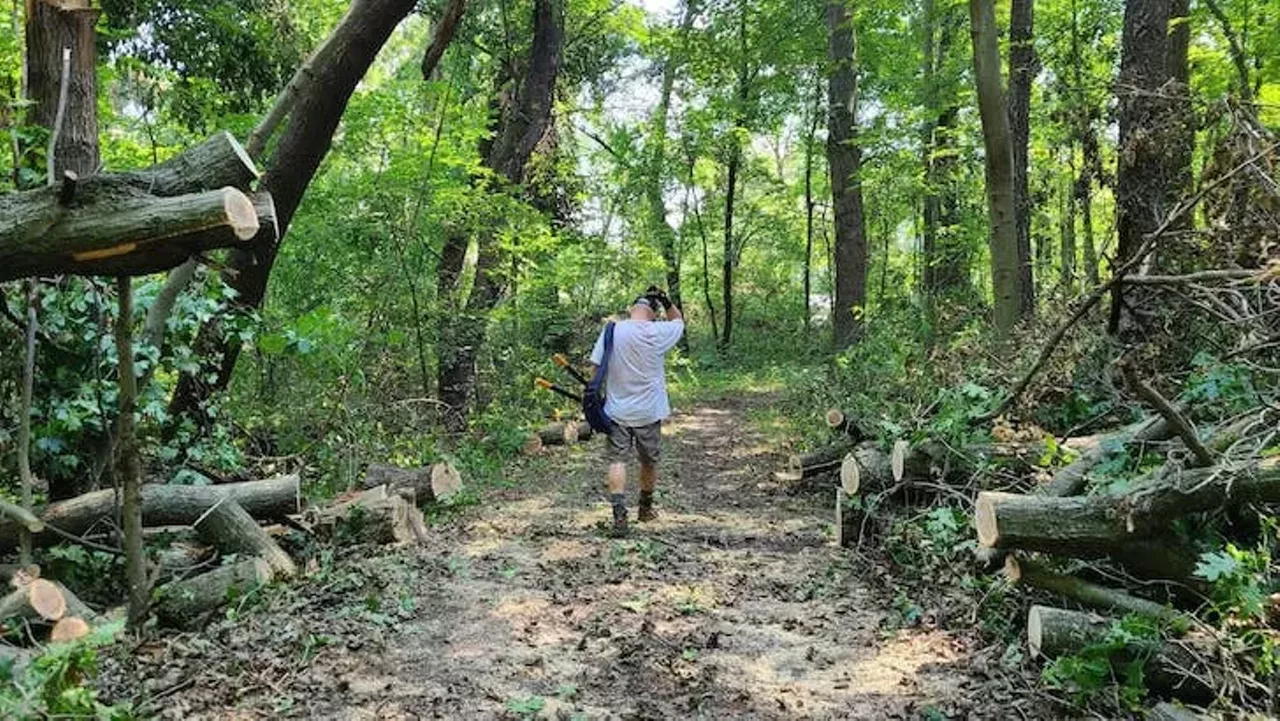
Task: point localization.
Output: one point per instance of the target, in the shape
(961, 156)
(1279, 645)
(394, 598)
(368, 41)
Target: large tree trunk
(844, 157)
(52, 26)
(523, 123)
(162, 505)
(1184, 257)
(336, 69)
(1145, 193)
(1023, 68)
(998, 143)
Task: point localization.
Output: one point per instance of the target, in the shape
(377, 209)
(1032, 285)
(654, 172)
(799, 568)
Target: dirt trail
(734, 604)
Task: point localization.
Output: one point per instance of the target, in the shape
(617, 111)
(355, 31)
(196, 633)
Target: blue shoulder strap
(602, 371)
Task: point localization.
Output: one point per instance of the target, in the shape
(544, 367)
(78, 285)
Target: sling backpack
(593, 396)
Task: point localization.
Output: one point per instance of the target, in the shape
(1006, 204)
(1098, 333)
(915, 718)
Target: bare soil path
(733, 605)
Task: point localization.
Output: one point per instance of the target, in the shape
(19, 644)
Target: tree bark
(1031, 573)
(187, 603)
(446, 26)
(657, 161)
(117, 229)
(844, 158)
(129, 472)
(337, 68)
(162, 505)
(1105, 524)
(1023, 68)
(522, 125)
(1145, 194)
(229, 528)
(1169, 667)
(998, 143)
(371, 520)
(54, 25)
(434, 483)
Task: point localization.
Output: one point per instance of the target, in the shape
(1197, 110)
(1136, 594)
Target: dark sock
(619, 503)
(646, 498)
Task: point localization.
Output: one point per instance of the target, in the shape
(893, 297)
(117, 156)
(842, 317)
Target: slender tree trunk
(844, 157)
(1182, 135)
(1068, 261)
(998, 142)
(706, 262)
(945, 262)
(654, 181)
(130, 469)
(809, 202)
(1090, 160)
(1023, 68)
(726, 277)
(734, 166)
(336, 69)
(1144, 192)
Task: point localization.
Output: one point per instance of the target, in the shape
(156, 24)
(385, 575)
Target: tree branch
(445, 30)
(1178, 421)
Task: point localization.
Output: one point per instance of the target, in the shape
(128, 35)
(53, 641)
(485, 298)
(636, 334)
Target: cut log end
(46, 599)
(446, 481)
(835, 418)
(241, 215)
(984, 517)
(899, 459)
(1035, 629)
(532, 446)
(850, 475)
(69, 629)
(795, 464)
(1012, 569)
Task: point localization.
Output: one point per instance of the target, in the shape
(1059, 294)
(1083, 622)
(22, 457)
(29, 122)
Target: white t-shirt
(636, 387)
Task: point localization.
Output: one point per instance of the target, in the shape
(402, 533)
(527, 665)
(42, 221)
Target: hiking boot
(619, 529)
(646, 508)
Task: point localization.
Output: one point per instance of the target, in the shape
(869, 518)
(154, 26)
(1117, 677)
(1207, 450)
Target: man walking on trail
(636, 397)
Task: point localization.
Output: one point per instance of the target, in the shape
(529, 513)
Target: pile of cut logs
(206, 524)
(1132, 528)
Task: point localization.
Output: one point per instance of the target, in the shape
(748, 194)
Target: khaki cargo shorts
(647, 441)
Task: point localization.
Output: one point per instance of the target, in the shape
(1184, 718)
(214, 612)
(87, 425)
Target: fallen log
(187, 602)
(1078, 527)
(1070, 480)
(116, 230)
(559, 434)
(182, 556)
(162, 505)
(371, 520)
(1072, 525)
(220, 161)
(585, 431)
(1170, 667)
(1028, 572)
(435, 483)
(827, 455)
(229, 528)
(793, 476)
(532, 445)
